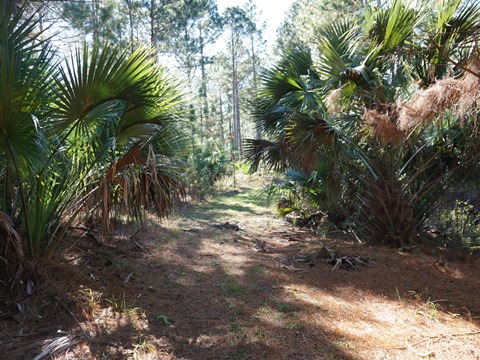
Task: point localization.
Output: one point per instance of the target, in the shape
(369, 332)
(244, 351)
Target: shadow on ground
(187, 290)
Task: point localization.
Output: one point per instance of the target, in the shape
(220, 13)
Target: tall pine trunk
(237, 132)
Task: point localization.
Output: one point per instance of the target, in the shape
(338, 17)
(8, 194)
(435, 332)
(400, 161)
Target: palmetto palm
(103, 125)
(299, 135)
(119, 114)
(289, 112)
(363, 70)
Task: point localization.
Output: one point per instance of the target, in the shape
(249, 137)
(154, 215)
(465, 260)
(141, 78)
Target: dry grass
(198, 292)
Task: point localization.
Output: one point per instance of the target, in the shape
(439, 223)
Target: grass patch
(283, 307)
(161, 319)
(227, 204)
(231, 287)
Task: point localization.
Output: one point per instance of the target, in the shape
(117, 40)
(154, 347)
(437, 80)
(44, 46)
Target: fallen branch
(227, 226)
(331, 257)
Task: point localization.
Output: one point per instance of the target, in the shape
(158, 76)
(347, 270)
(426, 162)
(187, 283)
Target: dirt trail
(186, 289)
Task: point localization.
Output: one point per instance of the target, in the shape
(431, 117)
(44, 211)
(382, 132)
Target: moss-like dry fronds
(471, 85)
(460, 94)
(334, 101)
(384, 125)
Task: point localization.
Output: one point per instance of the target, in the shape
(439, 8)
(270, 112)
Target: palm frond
(290, 81)
(390, 27)
(337, 43)
(451, 30)
(288, 86)
(93, 78)
(309, 137)
(138, 182)
(272, 154)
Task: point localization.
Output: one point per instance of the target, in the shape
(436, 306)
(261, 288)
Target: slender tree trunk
(95, 9)
(130, 20)
(203, 85)
(152, 23)
(237, 133)
(258, 132)
(222, 131)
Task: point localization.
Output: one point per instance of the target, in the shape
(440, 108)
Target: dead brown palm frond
(429, 103)
(471, 83)
(460, 93)
(384, 125)
(133, 156)
(11, 246)
(114, 180)
(335, 102)
(136, 183)
(394, 122)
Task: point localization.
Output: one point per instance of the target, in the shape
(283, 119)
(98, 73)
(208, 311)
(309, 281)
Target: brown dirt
(183, 289)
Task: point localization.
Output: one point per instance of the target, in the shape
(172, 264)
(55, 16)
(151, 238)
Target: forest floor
(183, 288)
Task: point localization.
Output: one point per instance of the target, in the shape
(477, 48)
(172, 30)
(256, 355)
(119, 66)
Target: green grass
(231, 287)
(229, 204)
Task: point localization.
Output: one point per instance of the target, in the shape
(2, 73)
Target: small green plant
(259, 333)
(231, 287)
(397, 292)
(292, 326)
(342, 344)
(433, 308)
(93, 298)
(162, 319)
(284, 307)
(234, 326)
(243, 167)
(459, 226)
(144, 345)
(237, 307)
(120, 304)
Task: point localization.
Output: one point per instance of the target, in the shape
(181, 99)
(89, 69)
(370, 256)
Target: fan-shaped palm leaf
(309, 137)
(390, 27)
(450, 31)
(99, 76)
(337, 44)
(272, 154)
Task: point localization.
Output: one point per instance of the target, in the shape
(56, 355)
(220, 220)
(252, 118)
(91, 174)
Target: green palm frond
(272, 154)
(92, 78)
(310, 137)
(390, 27)
(337, 44)
(165, 109)
(450, 30)
(272, 121)
(457, 26)
(291, 83)
(25, 65)
(288, 86)
(444, 10)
